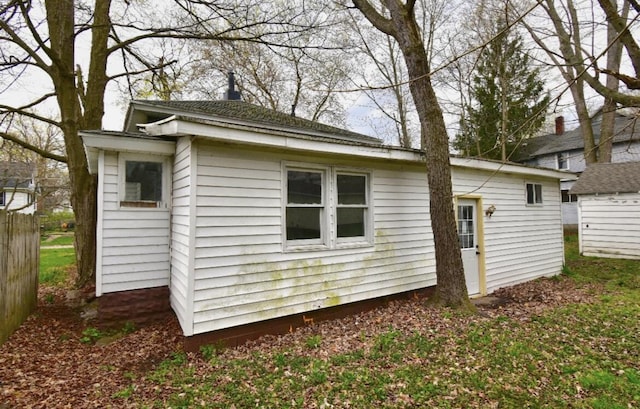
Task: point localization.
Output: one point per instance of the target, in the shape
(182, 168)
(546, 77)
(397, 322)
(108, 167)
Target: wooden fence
(19, 260)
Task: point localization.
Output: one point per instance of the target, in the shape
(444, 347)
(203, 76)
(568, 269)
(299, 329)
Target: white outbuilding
(609, 210)
(248, 221)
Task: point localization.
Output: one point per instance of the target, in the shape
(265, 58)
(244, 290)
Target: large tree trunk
(590, 150)
(451, 288)
(60, 17)
(614, 56)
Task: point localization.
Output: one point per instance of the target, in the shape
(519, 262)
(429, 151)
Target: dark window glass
(538, 190)
(303, 223)
(352, 190)
(304, 187)
(465, 226)
(350, 222)
(1, 198)
(530, 193)
(562, 161)
(143, 181)
(534, 193)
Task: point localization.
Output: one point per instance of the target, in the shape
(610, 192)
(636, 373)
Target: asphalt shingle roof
(609, 178)
(625, 129)
(243, 111)
(15, 174)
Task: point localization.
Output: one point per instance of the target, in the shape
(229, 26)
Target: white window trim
(357, 241)
(328, 224)
(309, 244)
(535, 203)
(166, 179)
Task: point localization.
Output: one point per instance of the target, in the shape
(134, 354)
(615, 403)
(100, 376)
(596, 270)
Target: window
(534, 193)
(563, 160)
(567, 198)
(465, 227)
(2, 200)
(305, 205)
(143, 182)
(352, 205)
(319, 201)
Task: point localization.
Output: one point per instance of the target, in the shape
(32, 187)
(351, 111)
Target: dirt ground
(46, 364)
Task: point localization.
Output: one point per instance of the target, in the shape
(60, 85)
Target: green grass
(63, 240)
(579, 355)
(615, 274)
(54, 264)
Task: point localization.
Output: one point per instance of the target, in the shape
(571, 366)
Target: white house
(252, 217)
(17, 187)
(609, 210)
(564, 150)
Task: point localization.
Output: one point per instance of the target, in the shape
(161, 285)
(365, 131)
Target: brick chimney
(231, 93)
(559, 125)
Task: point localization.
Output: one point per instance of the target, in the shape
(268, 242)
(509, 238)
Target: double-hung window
(326, 208)
(534, 193)
(305, 213)
(351, 207)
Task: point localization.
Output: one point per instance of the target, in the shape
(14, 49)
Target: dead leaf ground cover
(571, 341)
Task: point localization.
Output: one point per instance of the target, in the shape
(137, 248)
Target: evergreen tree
(509, 101)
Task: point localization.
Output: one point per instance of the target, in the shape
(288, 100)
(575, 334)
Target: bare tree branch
(624, 34)
(42, 152)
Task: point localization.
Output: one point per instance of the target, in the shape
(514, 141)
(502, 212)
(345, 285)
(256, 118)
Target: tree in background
(294, 72)
(50, 176)
(509, 101)
(571, 34)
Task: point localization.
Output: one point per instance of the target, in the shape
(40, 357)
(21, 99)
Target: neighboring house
(17, 187)
(247, 218)
(565, 151)
(609, 210)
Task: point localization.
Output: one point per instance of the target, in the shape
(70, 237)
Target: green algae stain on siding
(332, 300)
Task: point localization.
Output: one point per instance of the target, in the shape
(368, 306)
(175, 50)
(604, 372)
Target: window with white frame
(2, 198)
(563, 160)
(143, 181)
(323, 200)
(305, 212)
(534, 193)
(352, 205)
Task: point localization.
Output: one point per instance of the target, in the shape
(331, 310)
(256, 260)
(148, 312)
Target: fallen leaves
(44, 364)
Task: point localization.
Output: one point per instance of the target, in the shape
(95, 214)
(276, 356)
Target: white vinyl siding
(610, 225)
(242, 273)
(134, 243)
(181, 224)
(18, 200)
(521, 242)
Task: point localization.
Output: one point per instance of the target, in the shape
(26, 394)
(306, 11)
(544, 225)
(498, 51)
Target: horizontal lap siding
(242, 274)
(521, 242)
(180, 225)
(610, 226)
(135, 244)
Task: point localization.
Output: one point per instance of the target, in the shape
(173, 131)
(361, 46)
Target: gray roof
(242, 111)
(626, 129)
(15, 174)
(609, 178)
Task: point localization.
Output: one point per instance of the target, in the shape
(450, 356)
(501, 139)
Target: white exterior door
(468, 236)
